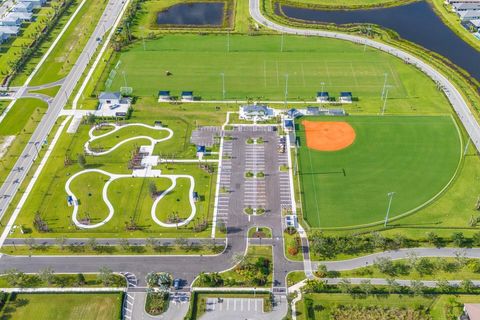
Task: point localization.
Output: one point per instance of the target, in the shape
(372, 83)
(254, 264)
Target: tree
(15, 278)
(181, 242)
(458, 239)
(151, 242)
(105, 275)
(152, 279)
(82, 162)
(476, 239)
(417, 287)
(424, 266)
(152, 188)
(345, 286)
(474, 265)
(47, 275)
(443, 286)
(61, 241)
(30, 242)
(92, 243)
(80, 279)
(222, 227)
(379, 240)
(385, 265)
(124, 244)
(393, 286)
(322, 271)
(91, 118)
(433, 239)
(412, 259)
(366, 287)
(467, 285)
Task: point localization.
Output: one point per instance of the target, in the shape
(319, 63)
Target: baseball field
(347, 166)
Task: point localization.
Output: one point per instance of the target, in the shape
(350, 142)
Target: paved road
(26, 159)
(453, 95)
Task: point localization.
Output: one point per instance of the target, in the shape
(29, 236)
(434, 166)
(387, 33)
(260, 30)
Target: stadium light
(124, 78)
(323, 84)
(385, 101)
(390, 195)
(228, 41)
(281, 45)
(223, 85)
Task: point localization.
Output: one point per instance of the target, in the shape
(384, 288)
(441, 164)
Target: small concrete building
(164, 96)
(256, 112)
(345, 97)
(288, 125)
(23, 7)
(112, 104)
(10, 20)
(322, 96)
(312, 111)
(293, 113)
(469, 15)
(187, 96)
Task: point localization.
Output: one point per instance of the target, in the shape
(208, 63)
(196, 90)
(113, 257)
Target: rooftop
(109, 95)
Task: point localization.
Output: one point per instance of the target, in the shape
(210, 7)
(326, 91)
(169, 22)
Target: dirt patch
(5, 143)
(328, 136)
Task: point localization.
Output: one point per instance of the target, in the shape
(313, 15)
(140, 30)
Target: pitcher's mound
(328, 136)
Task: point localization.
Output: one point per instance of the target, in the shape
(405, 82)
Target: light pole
(323, 84)
(390, 195)
(286, 88)
(384, 85)
(223, 85)
(228, 41)
(281, 44)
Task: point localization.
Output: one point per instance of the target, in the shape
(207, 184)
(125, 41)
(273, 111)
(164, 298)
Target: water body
(193, 14)
(416, 22)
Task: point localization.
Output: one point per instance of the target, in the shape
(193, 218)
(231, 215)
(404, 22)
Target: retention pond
(193, 14)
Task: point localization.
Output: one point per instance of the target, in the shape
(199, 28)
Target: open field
(130, 197)
(255, 68)
(436, 305)
(390, 154)
(63, 306)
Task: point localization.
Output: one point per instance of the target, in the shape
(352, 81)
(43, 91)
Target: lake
(416, 22)
(193, 14)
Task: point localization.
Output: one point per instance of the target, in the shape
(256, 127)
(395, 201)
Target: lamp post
(384, 84)
(223, 85)
(286, 88)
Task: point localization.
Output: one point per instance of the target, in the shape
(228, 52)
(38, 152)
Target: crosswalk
(129, 296)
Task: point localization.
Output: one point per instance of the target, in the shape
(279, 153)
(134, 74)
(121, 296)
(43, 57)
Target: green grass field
(255, 68)
(415, 157)
(130, 197)
(73, 306)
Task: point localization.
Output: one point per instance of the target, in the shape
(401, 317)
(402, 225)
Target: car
(176, 284)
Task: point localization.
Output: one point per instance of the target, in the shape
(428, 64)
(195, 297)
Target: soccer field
(256, 68)
(413, 156)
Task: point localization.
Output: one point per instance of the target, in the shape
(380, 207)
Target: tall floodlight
(466, 147)
(323, 85)
(384, 85)
(286, 88)
(281, 43)
(223, 85)
(385, 102)
(143, 37)
(390, 195)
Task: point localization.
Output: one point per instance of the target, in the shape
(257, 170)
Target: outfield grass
(128, 196)
(437, 304)
(255, 68)
(85, 306)
(415, 157)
